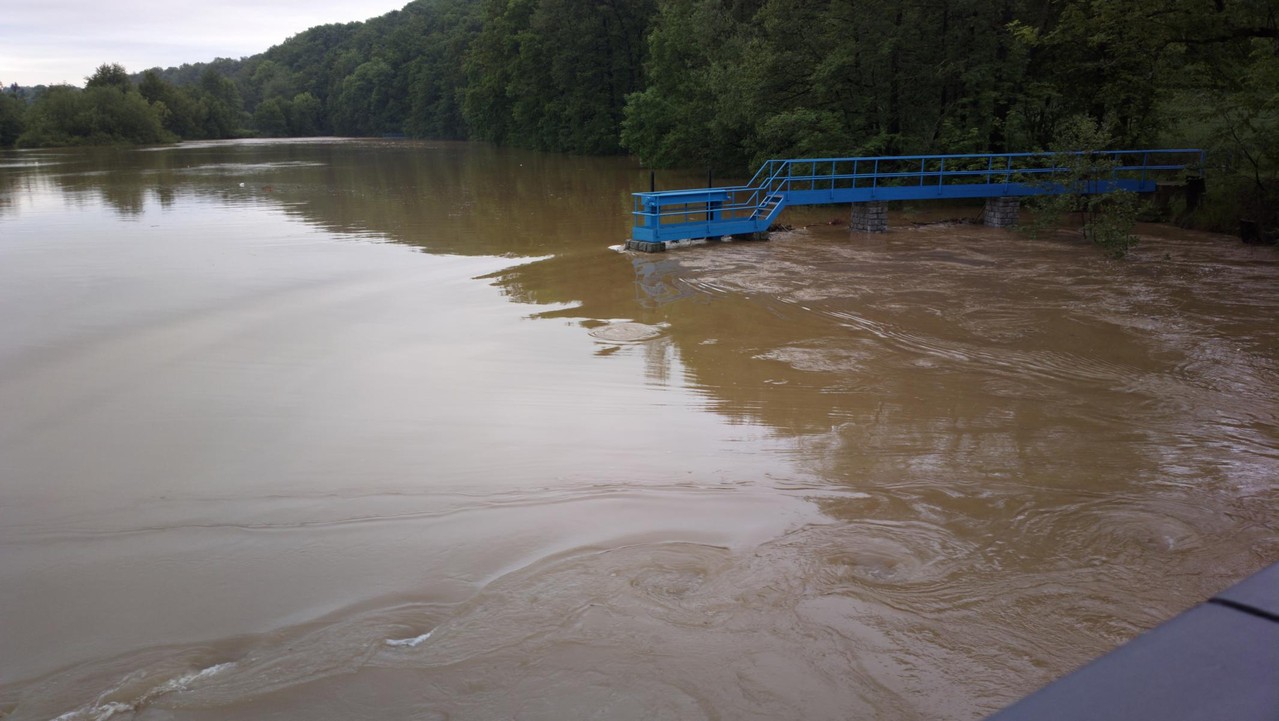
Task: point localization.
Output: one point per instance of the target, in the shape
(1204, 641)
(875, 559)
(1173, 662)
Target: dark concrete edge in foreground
(1218, 660)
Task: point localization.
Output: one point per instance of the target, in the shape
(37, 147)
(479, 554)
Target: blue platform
(715, 212)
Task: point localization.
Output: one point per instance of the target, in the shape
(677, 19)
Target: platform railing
(670, 215)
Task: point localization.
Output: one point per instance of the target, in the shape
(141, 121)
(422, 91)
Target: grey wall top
(1219, 660)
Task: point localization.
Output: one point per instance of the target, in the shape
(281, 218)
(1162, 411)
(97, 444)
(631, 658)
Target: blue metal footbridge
(748, 209)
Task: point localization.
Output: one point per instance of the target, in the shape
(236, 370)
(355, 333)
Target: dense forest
(723, 84)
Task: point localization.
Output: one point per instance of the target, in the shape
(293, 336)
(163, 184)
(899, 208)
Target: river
(384, 429)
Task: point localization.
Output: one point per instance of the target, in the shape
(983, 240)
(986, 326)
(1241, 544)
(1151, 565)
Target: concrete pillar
(1001, 212)
(645, 246)
(870, 217)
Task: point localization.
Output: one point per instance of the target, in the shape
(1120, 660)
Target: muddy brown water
(351, 429)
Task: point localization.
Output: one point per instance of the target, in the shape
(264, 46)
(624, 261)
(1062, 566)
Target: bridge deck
(752, 208)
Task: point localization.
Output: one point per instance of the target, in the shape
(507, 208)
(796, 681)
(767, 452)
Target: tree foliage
(109, 75)
(1106, 216)
(106, 112)
(112, 110)
(12, 112)
(555, 74)
(743, 82)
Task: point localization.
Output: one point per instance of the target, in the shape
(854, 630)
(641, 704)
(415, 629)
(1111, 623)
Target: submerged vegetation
(724, 84)
(1106, 218)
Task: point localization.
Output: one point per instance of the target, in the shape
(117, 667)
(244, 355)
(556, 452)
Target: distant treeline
(113, 109)
(721, 84)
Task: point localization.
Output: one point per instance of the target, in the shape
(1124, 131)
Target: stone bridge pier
(1001, 212)
(872, 216)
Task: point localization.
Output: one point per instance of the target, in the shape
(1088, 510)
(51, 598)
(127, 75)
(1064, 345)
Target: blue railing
(753, 207)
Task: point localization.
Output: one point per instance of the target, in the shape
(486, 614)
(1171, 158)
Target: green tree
(684, 116)
(363, 101)
(268, 80)
(490, 70)
(12, 110)
(1224, 96)
(731, 84)
(436, 76)
(98, 115)
(219, 106)
(554, 74)
(271, 118)
(305, 115)
(1106, 216)
(1245, 128)
(182, 112)
(109, 75)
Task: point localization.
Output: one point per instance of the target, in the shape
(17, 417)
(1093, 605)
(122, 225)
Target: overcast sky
(43, 42)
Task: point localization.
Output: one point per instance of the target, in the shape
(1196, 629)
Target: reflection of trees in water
(10, 178)
(123, 179)
(127, 200)
(446, 197)
(165, 196)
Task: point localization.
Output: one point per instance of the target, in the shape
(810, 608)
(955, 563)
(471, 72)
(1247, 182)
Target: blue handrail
(752, 208)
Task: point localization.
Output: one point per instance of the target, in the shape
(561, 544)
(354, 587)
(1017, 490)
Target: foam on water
(97, 712)
(409, 642)
(181, 683)
(101, 709)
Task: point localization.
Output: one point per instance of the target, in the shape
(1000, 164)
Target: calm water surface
(366, 430)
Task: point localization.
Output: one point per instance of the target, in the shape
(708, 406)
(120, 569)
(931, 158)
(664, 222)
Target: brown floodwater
(374, 430)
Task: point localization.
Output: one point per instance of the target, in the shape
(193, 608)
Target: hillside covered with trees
(724, 84)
